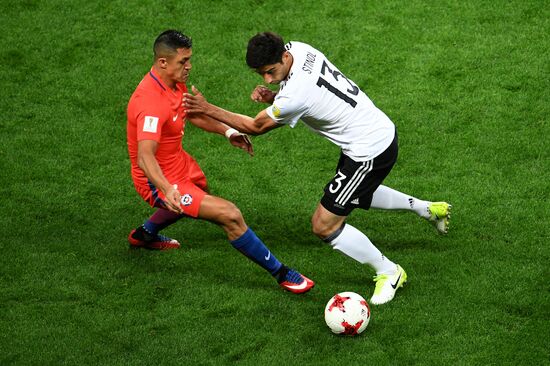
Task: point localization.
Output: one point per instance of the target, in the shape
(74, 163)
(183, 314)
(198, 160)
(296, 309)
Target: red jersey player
(168, 178)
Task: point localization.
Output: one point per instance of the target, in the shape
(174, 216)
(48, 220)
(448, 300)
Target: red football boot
(139, 238)
(296, 282)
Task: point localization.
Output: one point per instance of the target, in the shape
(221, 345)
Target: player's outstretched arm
(209, 124)
(259, 125)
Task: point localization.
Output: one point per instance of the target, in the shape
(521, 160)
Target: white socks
(356, 245)
(390, 199)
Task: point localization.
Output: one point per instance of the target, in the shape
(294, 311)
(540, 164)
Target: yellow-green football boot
(386, 285)
(440, 214)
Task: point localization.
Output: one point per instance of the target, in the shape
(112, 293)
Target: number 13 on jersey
(353, 90)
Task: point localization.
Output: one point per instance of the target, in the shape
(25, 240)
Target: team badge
(276, 111)
(186, 199)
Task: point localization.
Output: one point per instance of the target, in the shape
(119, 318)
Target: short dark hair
(169, 41)
(265, 48)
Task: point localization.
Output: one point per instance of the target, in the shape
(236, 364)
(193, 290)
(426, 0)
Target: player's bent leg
(324, 223)
(147, 235)
(387, 198)
(245, 240)
(438, 213)
(223, 213)
(355, 244)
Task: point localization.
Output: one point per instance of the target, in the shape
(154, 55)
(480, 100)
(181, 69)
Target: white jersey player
(316, 92)
(331, 105)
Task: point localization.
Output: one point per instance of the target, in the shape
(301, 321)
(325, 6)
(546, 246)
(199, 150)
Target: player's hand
(242, 141)
(172, 200)
(196, 103)
(262, 94)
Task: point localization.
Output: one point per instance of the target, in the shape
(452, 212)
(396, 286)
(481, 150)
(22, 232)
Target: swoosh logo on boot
(396, 282)
(301, 286)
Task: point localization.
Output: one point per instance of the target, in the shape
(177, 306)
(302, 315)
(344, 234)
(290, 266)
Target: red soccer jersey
(155, 112)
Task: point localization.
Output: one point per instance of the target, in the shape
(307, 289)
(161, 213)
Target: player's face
(178, 66)
(275, 73)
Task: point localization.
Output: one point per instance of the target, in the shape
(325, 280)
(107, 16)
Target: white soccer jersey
(331, 105)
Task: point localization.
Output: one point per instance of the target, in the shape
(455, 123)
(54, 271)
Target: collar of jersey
(161, 83)
(294, 63)
(157, 79)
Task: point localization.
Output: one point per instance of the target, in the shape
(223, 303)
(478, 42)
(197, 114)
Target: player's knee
(319, 228)
(326, 228)
(230, 214)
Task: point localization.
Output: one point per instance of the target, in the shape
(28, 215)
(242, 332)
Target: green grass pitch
(467, 84)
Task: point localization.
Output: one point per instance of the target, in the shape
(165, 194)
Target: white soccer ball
(347, 313)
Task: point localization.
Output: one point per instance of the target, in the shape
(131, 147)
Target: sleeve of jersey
(149, 124)
(285, 111)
